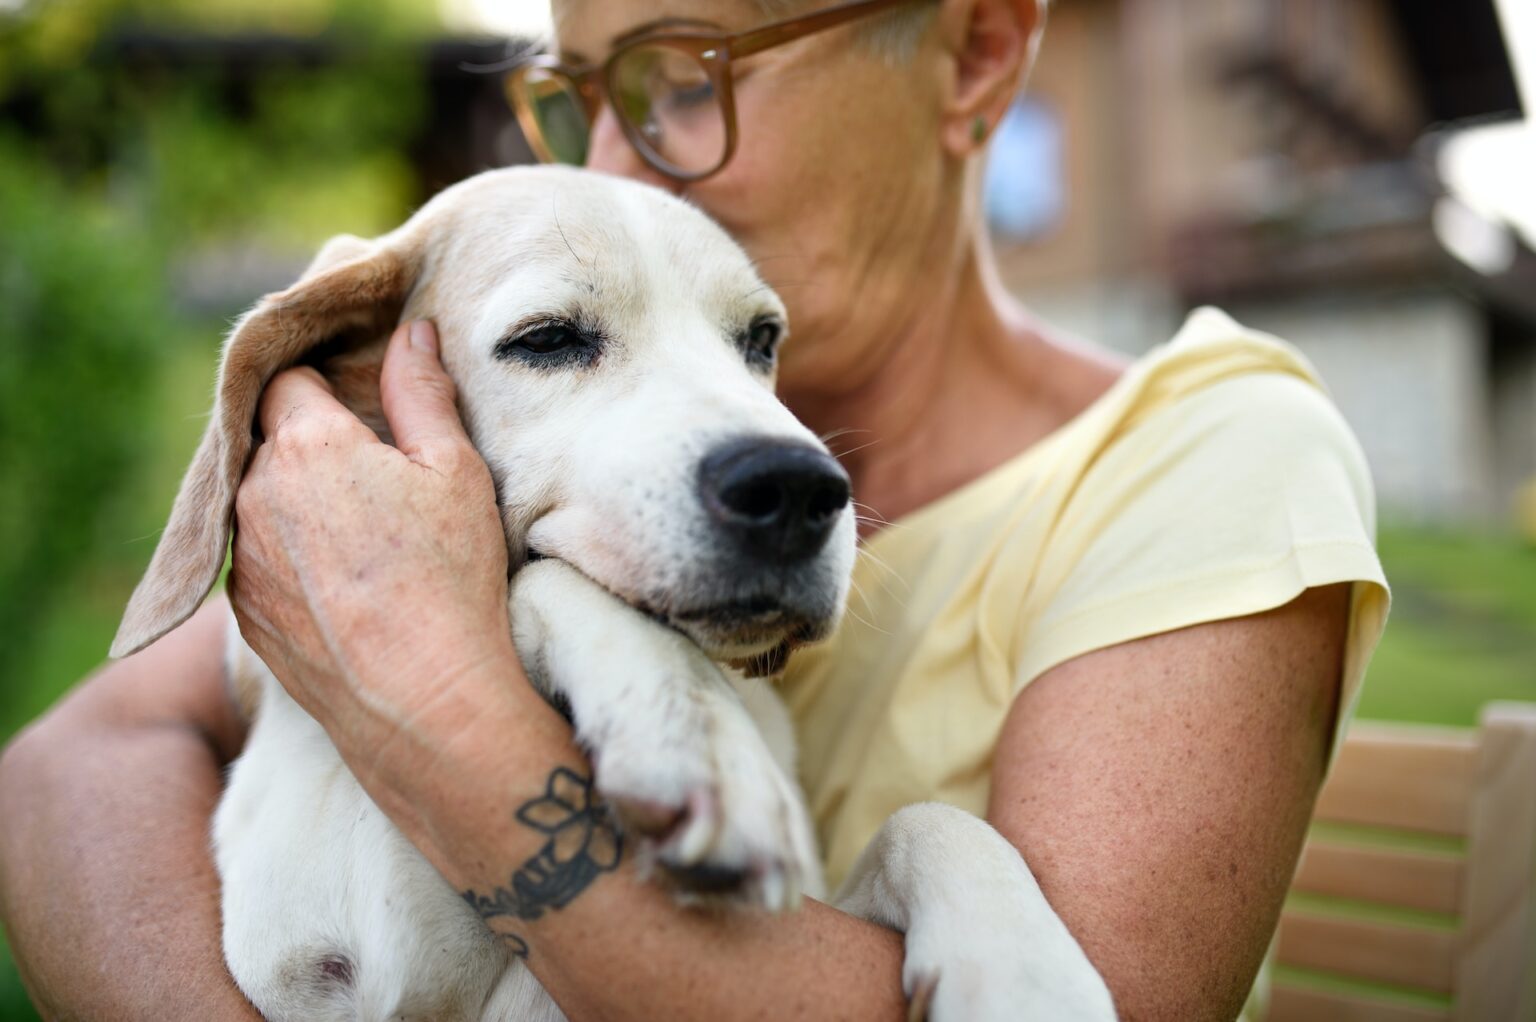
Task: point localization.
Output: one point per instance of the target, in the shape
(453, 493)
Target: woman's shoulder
(1215, 379)
(1229, 381)
(1219, 481)
(1211, 346)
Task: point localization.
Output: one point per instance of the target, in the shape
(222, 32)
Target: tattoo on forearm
(583, 842)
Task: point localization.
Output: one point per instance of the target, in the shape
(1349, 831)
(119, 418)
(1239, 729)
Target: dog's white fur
(329, 913)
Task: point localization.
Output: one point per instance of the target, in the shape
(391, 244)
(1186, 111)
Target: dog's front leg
(674, 748)
(982, 943)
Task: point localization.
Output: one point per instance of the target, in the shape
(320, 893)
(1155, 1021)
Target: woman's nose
(609, 151)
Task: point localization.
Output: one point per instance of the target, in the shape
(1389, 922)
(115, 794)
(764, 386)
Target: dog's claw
(774, 890)
(701, 822)
(922, 997)
(647, 817)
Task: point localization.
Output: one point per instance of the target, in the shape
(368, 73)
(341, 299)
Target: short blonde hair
(894, 34)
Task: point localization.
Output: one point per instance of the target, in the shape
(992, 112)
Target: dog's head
(614, 353)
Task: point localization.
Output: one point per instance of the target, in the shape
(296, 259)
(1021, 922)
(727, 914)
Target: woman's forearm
(629, 953)
(619, 948)
(107, 887)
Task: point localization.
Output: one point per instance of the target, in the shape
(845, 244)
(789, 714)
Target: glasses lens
(552, 114)
(670, 107)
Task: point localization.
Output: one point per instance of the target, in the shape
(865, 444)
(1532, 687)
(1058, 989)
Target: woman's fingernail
(423, 337)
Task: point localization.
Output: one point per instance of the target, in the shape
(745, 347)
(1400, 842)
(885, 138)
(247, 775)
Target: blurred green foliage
(83, 317)
(40, 36)
(118, 178)
(117, 175)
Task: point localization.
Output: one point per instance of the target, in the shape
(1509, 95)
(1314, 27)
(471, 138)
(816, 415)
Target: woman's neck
(970, 381)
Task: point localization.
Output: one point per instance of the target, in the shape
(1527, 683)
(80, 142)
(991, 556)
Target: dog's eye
(546, 340)
(762, 342)
(549, 344)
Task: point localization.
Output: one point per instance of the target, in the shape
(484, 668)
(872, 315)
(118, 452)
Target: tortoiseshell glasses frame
(688, 132)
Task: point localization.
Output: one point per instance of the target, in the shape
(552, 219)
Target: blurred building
(1282, 158)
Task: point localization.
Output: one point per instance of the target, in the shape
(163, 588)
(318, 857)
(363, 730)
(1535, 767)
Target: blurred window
(1026, 181)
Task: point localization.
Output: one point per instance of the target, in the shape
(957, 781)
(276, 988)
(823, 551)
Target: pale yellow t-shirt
(1213, 480)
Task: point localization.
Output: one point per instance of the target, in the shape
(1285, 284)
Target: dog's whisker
(554, 206)
(779, 286)
(835, 434)
(782, 284)
(856, 450)
(885, 576)
(866, 513)
(859, 592)
(877, 561)
(869, 555)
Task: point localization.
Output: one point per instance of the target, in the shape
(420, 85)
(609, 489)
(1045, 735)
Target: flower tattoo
(583, 842)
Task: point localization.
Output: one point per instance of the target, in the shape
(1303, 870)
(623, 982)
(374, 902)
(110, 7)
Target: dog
(665, 516)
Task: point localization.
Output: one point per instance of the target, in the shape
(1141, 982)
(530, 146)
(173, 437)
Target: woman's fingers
(419, 397)
(299, 394)
(419, 401)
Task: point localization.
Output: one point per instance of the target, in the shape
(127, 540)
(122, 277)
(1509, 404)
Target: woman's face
(837, 167)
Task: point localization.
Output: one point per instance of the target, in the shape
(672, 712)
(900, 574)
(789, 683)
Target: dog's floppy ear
(353, 288)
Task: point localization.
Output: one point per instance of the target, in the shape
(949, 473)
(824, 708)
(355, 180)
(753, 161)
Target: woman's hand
(373, 579)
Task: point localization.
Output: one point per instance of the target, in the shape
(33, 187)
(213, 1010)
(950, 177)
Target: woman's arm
(107, 886)
(1161, 789)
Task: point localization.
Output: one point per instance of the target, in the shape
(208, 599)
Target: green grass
(14, 1006)
(1463, 627)
(1462, 633)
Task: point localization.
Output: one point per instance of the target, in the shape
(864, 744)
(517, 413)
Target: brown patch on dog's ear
(354, 378)
(354, 288)
(765, 665)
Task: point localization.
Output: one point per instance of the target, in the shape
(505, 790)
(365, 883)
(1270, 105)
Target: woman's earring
(979, 129)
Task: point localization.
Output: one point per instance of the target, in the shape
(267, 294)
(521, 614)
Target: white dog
(614, 353)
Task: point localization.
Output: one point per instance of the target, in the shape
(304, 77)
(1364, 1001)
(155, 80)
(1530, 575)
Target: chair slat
(1417, 779)
(1496, 979)
(1404, 955)
(1430, 881)
(1297, 1004)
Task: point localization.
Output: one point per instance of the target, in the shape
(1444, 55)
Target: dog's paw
(996, 973)
(748, 839)
(717, 817)
(675, 750)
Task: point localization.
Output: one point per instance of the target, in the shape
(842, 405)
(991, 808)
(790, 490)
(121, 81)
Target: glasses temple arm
(757, 40)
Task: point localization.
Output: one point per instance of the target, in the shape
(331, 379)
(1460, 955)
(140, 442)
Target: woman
(1121, 611)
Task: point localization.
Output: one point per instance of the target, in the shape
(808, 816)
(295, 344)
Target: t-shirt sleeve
(1229, 502)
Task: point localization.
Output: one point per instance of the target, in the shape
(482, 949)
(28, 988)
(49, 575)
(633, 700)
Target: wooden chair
(1414, 898)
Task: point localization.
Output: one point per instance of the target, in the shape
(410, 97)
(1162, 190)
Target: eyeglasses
(670, 89)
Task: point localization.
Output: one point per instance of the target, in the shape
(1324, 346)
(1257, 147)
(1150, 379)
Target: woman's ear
(353, 287)
(991, 45)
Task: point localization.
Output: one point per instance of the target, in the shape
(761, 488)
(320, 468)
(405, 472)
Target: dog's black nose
(778, 500)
